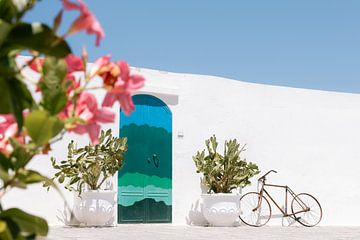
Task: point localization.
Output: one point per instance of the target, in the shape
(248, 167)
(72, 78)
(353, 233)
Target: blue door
(145, 181)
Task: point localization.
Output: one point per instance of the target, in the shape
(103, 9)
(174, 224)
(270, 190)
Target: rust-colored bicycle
(256, 210)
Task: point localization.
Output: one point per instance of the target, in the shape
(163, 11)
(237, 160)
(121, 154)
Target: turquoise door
(144, 183)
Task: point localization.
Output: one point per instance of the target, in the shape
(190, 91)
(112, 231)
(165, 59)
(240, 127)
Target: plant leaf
(4, 30)
(20, 156)
(29, 224)
(15, 97)
(38, 37)
(7, 10)
(42, 127)
(5, 163)
(54, 94)
(5, 233)
(31, 176)
(4, 175)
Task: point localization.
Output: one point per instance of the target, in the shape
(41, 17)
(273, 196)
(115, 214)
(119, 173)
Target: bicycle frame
(287, 191)
(303, 208)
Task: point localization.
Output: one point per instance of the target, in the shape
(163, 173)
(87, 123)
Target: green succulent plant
(223, 173)
(91, 165)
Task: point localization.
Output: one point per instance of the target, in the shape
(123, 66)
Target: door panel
(145, 181)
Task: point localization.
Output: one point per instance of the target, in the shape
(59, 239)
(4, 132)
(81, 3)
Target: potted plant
(85, 172)
(221, 175)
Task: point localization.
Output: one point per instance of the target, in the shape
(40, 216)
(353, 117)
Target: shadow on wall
(195, 216)
(67, 216)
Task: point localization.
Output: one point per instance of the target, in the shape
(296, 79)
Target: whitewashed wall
(310, 137)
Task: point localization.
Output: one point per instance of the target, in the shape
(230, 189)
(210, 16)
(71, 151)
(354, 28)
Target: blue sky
(305, 43)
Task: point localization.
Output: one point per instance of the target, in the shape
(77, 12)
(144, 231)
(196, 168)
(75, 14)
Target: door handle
(156, 160)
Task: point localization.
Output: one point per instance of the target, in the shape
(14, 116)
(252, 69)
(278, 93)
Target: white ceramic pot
(95, 208)
(221, 209)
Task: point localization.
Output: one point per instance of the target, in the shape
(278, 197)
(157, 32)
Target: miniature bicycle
(256, 209)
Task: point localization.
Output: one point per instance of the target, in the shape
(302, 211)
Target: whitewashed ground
(171, 232)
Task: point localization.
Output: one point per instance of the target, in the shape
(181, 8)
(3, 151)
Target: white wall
(309, 136)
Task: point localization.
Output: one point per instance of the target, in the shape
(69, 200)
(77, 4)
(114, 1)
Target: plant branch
(29, 62)
(3, 191)
(62, 134)
(94, 88)
(102, 181)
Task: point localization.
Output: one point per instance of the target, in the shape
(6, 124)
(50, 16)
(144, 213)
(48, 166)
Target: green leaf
(74, 180)
(42, 127)
(38, 37)
(29, 224)
(15, 97)
(4, 30)
(5, 163)
(222, 173)
(14, 229)
(4, 175)
(92, 164)
(8, 64)
(55, 101)
(54, 71)
(31, 176)
(61, 178)
(5, 233)
(20, 156)
(7, 10)
(26, 177)
(54, 93)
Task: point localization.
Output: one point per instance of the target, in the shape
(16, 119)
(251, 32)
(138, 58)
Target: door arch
(145, 181)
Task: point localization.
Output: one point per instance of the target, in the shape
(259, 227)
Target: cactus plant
(91, 165)
(223, 173)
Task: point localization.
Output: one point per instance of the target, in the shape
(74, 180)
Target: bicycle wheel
(306, 209)
(250, 214)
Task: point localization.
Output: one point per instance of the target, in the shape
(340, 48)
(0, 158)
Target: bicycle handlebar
(263, 177)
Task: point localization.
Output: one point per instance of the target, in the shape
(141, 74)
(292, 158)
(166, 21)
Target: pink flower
(100, 65)
(124, 99)
(36, 64)
(111, 75)
(118, 82)
(74, 63)
(87, 110)
(121, 90)
(86, 21)
(8, 129)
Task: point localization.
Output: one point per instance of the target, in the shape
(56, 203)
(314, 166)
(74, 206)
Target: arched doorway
(145, 181)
